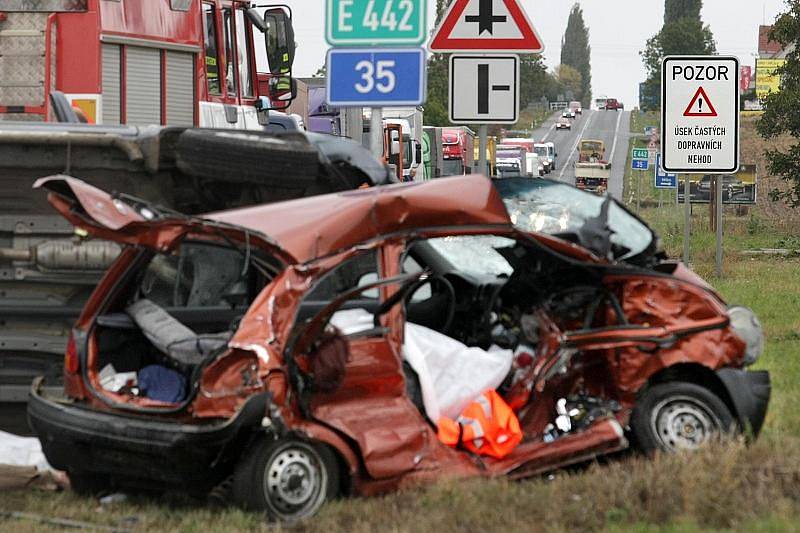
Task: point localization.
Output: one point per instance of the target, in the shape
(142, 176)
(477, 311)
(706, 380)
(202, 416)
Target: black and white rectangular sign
(484, 89)
(700, 114)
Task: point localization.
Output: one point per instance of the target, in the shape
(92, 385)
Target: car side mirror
(279, 33)
(418, 152)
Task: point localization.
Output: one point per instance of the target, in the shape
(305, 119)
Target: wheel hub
(293, 479)
(683, 424)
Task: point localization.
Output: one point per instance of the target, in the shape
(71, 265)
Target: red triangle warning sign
(486, 26)
(700, 106)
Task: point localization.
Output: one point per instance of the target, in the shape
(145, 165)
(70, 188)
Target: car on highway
(277, 356)
(568, 113)
(563, 123)
(612, 104)
(547, 153)
(576, 107)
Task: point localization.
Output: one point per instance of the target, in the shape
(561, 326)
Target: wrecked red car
(297, 351)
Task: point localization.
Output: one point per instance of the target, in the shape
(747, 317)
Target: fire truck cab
(210, 63)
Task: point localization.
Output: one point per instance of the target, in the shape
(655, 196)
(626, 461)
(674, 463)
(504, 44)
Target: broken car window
(356, 271)
(562, 210)
(475, 254)
(197, 275)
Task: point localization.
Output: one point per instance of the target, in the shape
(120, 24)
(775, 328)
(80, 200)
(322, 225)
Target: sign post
(382, 75)
(699, 123)
(639, 162)
(483, 134)
(484, 89)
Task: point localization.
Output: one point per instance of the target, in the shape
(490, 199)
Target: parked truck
(164, 62)
(592, 170)
(410, 119)
(512, 161)
(458, 146)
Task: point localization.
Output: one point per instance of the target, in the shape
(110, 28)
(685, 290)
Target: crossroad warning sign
(700, 106)
(484, 89)
(700, 114)
(486, 26)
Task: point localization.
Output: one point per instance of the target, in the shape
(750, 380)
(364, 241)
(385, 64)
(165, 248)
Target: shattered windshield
(557, 208)
(475, 254)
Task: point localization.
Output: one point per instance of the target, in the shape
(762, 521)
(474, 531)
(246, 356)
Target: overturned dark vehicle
(47, 271)
(294, 359)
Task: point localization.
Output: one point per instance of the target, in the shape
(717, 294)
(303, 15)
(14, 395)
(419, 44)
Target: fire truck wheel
(250, 158)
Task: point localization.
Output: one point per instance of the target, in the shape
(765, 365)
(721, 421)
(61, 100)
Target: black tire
(248, 157)
(87, 484)
(679, 416)
(266, 478)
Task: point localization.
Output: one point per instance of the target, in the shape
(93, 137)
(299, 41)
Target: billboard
(740, 188)
(767, 79)
(745, 78)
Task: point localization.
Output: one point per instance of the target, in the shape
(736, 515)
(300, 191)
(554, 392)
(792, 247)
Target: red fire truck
(139, 62)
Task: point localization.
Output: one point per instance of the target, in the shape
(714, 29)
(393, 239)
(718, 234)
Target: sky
(618, 30)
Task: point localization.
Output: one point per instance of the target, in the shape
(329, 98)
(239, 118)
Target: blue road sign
(664, 180)
(639, 164)
(376, 77)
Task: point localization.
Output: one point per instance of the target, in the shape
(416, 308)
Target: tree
(576, 53)
(782, 109)
(674, 10)
(570, 79)
(683, 33)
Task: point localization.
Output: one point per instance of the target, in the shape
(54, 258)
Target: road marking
(575, 146)
(546, 135)
(616, 135)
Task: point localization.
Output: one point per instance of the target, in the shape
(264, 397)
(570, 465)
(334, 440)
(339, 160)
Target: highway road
(612, 127)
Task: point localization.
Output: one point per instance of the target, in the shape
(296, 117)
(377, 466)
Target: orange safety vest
(487, 426)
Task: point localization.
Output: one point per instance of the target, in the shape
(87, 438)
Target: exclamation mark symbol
(700, 103)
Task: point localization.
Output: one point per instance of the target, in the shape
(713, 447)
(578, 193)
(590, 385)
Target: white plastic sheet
(22, 451)
(451, 374)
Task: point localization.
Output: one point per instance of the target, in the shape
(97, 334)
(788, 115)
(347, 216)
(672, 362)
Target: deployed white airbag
(451, 374)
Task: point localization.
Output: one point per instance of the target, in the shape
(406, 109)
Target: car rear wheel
(289, 479)
(679, 416)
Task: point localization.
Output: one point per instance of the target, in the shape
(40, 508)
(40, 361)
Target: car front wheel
(679, 416)
(289, 479)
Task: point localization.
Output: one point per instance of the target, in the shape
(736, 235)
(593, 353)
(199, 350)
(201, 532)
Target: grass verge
(724, 487)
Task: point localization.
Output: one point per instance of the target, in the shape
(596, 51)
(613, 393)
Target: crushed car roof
(315, 227)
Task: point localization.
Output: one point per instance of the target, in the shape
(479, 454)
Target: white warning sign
(700, 114)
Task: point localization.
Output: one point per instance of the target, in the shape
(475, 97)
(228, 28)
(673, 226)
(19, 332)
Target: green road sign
(375, 22)
(640, 153)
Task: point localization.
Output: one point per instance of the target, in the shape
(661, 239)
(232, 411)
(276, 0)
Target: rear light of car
(71, 363)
